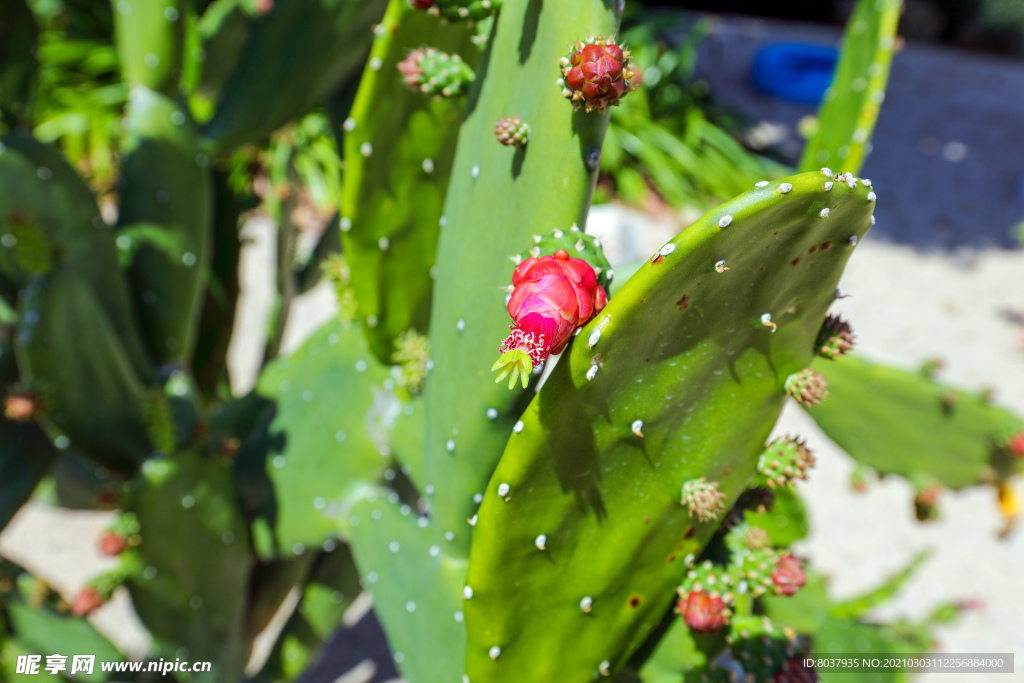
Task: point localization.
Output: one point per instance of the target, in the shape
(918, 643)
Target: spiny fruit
(789, 575)
(785, 461)
(835, 338)
(437, 73)
(596, 74)
(511, 131)
(702, 499)
(756, 538)
(552, 296)
(807, 387)
(702, 612)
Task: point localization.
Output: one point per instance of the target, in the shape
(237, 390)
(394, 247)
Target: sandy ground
(906, 306)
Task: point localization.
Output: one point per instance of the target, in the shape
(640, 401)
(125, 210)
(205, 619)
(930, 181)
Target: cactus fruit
(1015, 445)
(807, 387)
(789, 575)
(702, 612)
(596, 74)
(835, 338)
(702, 499)
(512, 132)
(552, 297)
(784, 462)
(436, 73)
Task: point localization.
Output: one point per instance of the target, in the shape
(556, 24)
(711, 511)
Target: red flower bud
(702, 612)
(87, 601)
(597, 74)
(789, 575)
(552, 296)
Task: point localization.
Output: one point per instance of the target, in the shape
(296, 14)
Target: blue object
(794, 72)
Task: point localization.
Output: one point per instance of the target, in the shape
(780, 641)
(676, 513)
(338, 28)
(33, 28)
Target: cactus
(503, 534)
(196, 601)
(847, 116)
(497, 199)
(399, 146)
(319, 454)
(565, 470)
(165, 221)
(95, 400)
(47, 201)
(960, 439)
(293, 58)
(25, 452)
(151, 42)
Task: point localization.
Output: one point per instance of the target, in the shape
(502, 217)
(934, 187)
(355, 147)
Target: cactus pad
(847, 116)
(683, 349)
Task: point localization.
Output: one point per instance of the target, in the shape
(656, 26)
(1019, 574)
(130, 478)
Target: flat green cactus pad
(45, 205)
(329, 436)
(901, 422)
(681, 376)
(68, 349)
(399, 145)
(417, 588)
(293, 58)
(166, 216)
(498, 198)
(848, 114)
(195, 600)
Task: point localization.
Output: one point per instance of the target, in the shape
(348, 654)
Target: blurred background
(939, 277)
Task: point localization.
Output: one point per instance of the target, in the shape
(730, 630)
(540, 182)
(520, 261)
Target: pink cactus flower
(702, 612)
(552, 296)
(789, 575)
